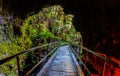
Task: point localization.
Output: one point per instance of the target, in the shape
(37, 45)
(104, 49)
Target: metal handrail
(31, 70)
(80, 60)
(21, 53)
(97, 54)
(29, 50)
(103, 57)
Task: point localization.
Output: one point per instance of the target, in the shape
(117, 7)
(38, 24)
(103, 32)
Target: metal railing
(17, 56)
(76, 51)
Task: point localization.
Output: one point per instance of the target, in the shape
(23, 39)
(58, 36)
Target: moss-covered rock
(48, 25)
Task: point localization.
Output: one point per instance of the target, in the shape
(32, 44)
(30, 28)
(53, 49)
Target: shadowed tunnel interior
(97, 20)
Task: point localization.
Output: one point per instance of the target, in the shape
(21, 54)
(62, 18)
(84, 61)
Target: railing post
(53, 45)
(77, 50)
(39, 53)
(46, 48)
(50, 46)
(18, 65)
(104, 66)
(81, 44)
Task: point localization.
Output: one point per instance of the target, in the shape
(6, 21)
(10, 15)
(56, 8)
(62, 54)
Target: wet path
(62, 64)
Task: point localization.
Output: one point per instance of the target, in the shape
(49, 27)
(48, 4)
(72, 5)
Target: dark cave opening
(98, 21)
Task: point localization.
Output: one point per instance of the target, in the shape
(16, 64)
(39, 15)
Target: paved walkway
(62, 64)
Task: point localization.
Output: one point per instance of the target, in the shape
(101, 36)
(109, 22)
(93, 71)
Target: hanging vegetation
(50, 24)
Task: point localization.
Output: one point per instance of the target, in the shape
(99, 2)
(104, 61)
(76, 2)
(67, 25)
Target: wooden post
(18, 65)
(39, 53)
(79, 51)
(104, 67)
(54, 45)
(50, 46)
(81, 44)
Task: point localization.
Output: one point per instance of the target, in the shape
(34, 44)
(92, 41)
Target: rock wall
(6, 24)
(97, 20)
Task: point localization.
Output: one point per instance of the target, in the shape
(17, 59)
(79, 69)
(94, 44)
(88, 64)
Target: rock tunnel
(97, 20)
